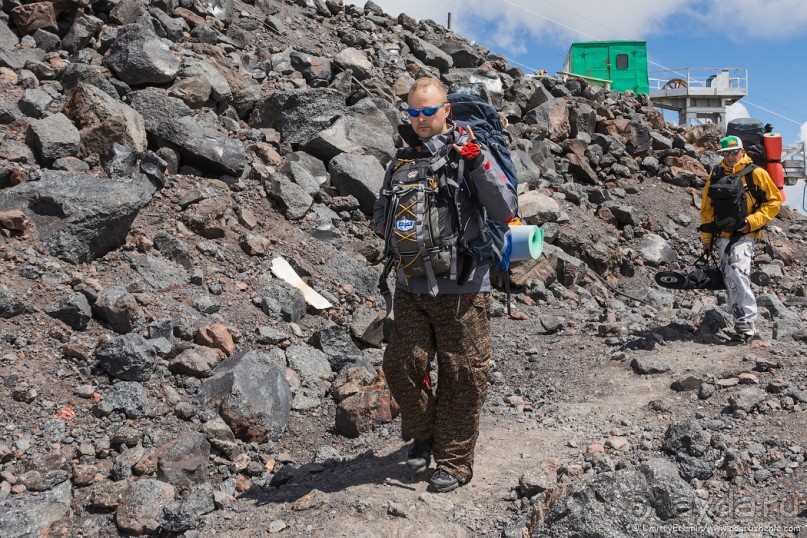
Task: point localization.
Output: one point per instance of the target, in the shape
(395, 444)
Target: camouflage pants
(455, 328)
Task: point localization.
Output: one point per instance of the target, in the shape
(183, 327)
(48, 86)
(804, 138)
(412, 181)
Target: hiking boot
(442, 482)
(420, 455)
(744, 336)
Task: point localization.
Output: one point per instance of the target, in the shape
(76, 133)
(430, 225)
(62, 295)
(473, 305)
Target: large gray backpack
(422, 230)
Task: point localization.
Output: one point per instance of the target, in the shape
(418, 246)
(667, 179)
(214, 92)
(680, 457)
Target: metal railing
(734, 79)
(794, 161)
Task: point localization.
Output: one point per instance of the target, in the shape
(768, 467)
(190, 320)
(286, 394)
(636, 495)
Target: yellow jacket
(757, 219)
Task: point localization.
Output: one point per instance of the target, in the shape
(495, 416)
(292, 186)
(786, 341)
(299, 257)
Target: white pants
(736, 267)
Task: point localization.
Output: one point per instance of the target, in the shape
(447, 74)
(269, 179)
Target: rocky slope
(159, 163)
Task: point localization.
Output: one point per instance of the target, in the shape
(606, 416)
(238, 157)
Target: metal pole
(449, 20)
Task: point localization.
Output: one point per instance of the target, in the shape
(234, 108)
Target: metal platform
(794, 161)
(699, 95)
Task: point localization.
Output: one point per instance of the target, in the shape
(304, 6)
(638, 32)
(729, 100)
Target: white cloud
(737, 110)
(754, 19)
(803, 132)
(561, 21)
(580, 20)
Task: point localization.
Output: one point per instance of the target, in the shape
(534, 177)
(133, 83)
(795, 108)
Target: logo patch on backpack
(405, 225)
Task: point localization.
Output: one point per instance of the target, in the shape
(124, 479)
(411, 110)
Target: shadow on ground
(672, 332)
(367, 468)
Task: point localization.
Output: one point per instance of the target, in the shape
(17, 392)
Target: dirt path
(593, 398)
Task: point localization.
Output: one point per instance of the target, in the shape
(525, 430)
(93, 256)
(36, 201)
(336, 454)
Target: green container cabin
(622, 63)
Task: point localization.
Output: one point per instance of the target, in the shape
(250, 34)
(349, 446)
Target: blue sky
(767, 38)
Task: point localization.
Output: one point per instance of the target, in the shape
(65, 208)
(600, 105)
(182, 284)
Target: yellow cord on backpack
(400, 162)
(407, 209)
(413, 260)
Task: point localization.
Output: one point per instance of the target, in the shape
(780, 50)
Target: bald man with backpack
(437, 194)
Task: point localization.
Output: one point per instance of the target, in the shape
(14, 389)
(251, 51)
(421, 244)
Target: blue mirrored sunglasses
(427, 111)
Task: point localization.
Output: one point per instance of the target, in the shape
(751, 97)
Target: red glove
(470, 151)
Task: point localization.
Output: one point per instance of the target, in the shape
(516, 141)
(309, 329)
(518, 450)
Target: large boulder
(245, 90)
(281, 300)
(119, 309)
(355, 60)
(292, 198)
(31, 17)
(361, 412)
(340, 349)
(196, 361)
(527, 171)
(28, 515)
(597, 250)
(655, 250)
(128, 11)
(305, 170)
(686, 437)
(104, 121)
(684, 171)
(78, 217)
(8, 39)
(186, 513)
(310, 363)
(95, 75)
(580, 168)
(363, 130)
(183, 462)
(633, 134)
(199, 145)
(551, 120)
(52, 138)
(250, 392)
(129, 357)
(538, 208)
(618, 504)
(429, 54)
(141, 506)
(299, 115)
(220, 90)
(128, 397)
(160, 274)
(358, 175)
(462, 54)
(10, 304)
(138, 57)
(83, 30)
(316, 70)
(17, 58)
(73, 310)
(582, 120)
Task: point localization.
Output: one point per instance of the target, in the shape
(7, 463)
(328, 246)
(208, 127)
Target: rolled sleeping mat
(528, 242)
(777, 173)
(773, 146)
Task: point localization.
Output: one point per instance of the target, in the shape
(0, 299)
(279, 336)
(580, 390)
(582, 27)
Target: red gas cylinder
(773, 152)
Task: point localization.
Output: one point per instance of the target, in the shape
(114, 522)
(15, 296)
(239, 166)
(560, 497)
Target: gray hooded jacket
(496, 195)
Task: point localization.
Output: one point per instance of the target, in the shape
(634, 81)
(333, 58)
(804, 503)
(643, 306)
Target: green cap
(730, 143)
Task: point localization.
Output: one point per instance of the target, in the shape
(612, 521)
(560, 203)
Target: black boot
(443, 482)
(420, 455)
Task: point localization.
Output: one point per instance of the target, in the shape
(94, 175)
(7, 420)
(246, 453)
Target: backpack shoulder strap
(756, 191)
